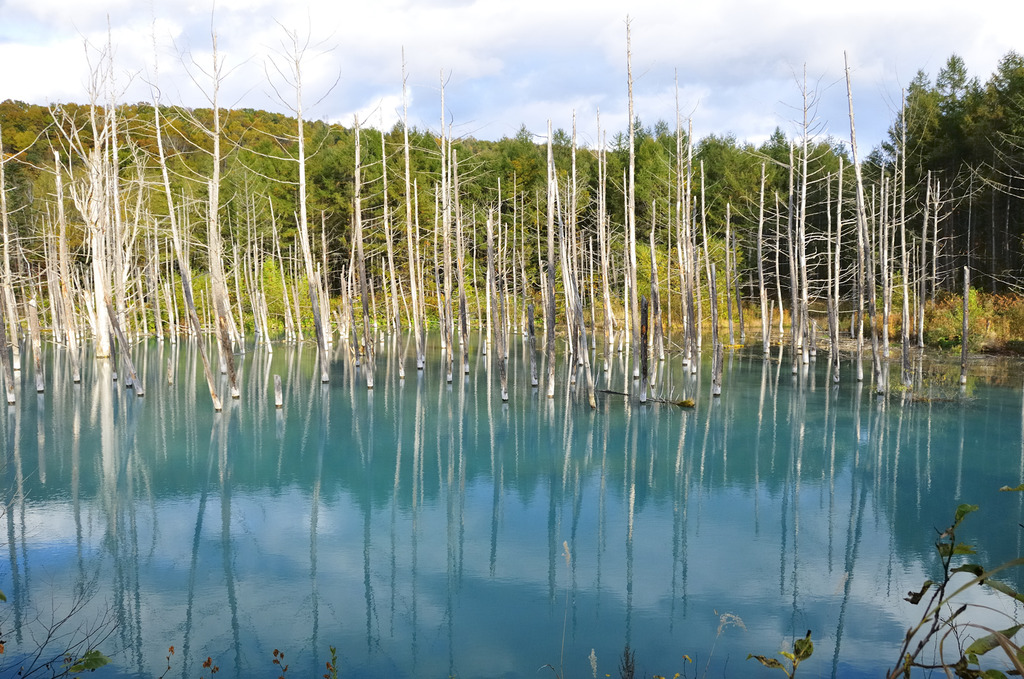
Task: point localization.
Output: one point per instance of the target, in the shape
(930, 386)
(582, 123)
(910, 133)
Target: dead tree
(91, 196)
(394, 317)
(32, 312)
(904, 264)
(834, 296)
(357, 236)
(498, 307)
(794, 273)
(644, 351)
(179, 251)
(801, 244)
(288, 66)
(728, 272)
(964, 328)
(549, 312)
(574, 307)
(631, 211)
(532, 344)
(460, 256)
(225, 326)
(716, 343)
(447, 319)
(414, 288)
(658, 338)
(131, 375)
(10, 317)
(604, 248)
(5, 357)
(862, 228)
(922, 288)
(763, 295)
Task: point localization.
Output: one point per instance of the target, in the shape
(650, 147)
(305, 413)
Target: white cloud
(522, 63)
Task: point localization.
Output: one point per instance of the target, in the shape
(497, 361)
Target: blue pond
(426, 529)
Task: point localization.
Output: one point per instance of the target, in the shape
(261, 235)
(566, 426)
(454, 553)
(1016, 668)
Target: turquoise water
(426, 529)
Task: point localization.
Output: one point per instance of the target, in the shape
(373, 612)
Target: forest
(128, 221)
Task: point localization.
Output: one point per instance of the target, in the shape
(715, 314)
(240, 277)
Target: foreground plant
(802, 650)
(60, 651)
(946, 619)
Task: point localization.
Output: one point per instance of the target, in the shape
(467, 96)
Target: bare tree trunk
(357, 223)
(414, 288)
(183, 268)
(802, 232)
(692, 282)
(574, 308)
(862, 228)
(117, 241)
(419, 259)
(58, 324)
(738, 289)
(289, 322)
(10, 317)
(218, 283)
(63, 259)
(794, 275)
(963, 330)
(37, 344)
(716, 345)
(571, 258)
(122, 342)
(885, 256)
(904, 265)
(707, 251)
(460, 255)
(835, 269)
(642, 345)
(728, 271)
(631, 211)
(682, 210)
(603, 245)
(658, 340)
(395, 321)
(495, 289)
(549, 314)
(90, 197)
(762, 293)
(153, 278)
(323, 292)
(5, 357)
(869, 282)
(293, 60)
(446, 227)
(240, 328)
(923, 288)
(502, 343)
(532, 344)
(935, 240)
(778, 267)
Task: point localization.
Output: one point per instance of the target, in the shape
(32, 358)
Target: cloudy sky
(739, 62)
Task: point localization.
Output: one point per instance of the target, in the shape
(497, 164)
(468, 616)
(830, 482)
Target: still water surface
(425, 529)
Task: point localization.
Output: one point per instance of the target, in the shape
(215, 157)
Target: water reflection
(425, 527)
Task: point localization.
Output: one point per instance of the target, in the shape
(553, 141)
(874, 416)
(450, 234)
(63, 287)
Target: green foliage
(90, 661)
(72, 660)
(947, 618)
(332, 665)
(802, 650)
(996, 322)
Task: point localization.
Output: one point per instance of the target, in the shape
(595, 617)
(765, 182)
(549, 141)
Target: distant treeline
(968, 136)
